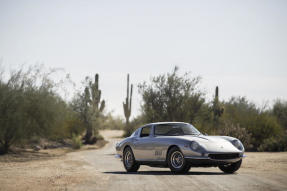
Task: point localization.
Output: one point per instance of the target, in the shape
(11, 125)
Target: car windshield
(175, 129)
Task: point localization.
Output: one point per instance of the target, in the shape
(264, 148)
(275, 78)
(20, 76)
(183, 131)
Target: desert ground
(97, 169)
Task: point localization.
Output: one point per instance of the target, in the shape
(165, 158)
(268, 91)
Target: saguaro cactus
(94, 106)
(127, 105)
(97, 105)
(217, 107)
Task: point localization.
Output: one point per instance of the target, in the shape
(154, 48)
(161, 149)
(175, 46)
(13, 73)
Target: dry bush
(234, 130)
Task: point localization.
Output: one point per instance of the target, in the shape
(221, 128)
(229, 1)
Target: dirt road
(255, 175)
(99, 170)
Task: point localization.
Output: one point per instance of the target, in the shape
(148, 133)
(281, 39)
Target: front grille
(224, 156)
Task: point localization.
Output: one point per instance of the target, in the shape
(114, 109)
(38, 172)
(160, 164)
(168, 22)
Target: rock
(36, 148)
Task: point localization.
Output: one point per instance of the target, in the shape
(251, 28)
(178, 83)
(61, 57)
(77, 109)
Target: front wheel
(129, 161)
(230, 168)
(176, 161)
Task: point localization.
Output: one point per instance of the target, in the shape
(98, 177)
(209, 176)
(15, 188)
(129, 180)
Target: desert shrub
(76, 141)
(280, 112)
(29, 106)
(108, 121)
(67, 124)
(260, 123)
(204, 120)
(278, 143)
(234, 130)
(99, 137)
(239, 110)
(265, 126)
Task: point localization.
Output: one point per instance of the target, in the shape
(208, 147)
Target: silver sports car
(179, 146)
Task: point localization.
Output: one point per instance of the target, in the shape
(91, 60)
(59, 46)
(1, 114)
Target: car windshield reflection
(176, 129)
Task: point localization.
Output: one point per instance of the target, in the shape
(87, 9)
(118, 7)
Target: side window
(168, 130)
(145, 131)
(162, 129)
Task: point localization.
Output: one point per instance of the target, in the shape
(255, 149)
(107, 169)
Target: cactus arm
(128, 84)
(130, 105)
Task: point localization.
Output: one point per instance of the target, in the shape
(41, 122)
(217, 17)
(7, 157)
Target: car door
(143, 145)
(161, 144)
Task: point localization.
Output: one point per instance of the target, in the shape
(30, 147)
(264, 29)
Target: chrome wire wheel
(128, 159)
(176, 159)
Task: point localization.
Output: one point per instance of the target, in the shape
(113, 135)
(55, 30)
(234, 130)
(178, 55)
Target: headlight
(237, 144)
(194, 146)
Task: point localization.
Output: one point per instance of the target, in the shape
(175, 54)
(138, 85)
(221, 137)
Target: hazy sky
(239, 45)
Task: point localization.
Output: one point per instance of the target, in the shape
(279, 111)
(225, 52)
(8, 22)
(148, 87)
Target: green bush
(31, 107)
(76, 142)
(230, 129)
(109, 121)
(278, 143)
(259, 123)
(280, 112)
(171, 97)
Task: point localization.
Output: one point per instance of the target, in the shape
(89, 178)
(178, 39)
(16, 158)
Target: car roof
(162, 123)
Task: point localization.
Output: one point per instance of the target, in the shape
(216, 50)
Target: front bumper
(208, 161)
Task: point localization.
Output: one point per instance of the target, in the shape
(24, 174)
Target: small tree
(11, 120)
(171, 97)
(29, 106)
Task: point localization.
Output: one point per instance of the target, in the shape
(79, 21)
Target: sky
(241, 46)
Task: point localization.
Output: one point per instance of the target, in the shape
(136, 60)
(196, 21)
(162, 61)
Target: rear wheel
(129, 161)
(176, 161)
(230, 168)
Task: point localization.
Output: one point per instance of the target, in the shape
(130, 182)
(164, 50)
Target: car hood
(213, 143)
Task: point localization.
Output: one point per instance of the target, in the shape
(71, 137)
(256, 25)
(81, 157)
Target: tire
(176, 161)
(230, 168)
(129, 161)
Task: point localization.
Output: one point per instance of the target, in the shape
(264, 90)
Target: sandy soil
(92, 169)
(52, 169)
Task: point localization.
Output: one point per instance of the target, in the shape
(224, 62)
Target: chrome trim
(208, 158)
(195, 157)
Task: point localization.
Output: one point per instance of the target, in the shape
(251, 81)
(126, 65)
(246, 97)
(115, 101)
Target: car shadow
(163, 173)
